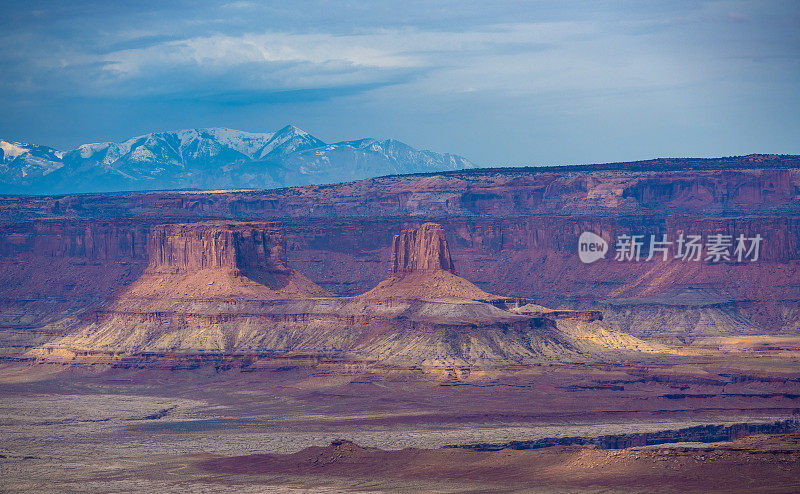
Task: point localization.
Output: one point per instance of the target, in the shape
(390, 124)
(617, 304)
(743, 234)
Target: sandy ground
(100, 429)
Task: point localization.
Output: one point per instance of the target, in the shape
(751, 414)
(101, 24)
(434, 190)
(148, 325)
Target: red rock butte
(220, 259)
(422, 269)
(424, 249)
(223, 288)
(191, 247)
(511, 231)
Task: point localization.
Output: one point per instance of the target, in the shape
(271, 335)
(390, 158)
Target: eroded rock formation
(188, 247)
(422, 269)
(219, 259)
(222, 288)
(512, 232)
(421, 249)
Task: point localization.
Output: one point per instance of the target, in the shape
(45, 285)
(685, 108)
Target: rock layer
(422, 269)
(184, 248)
(196, 297)
(421, 249)
(232, 260)
(512, 231)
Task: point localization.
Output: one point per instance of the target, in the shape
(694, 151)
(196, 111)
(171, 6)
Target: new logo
(591, 247)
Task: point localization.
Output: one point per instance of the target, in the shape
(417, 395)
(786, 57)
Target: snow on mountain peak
(21, 163)
(87, 150)
(12, 149)
(213, 158)
(291, 129)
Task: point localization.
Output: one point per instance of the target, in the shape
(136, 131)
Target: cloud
(219, 52)
(467, 61)
(148, 62)
(580, 56)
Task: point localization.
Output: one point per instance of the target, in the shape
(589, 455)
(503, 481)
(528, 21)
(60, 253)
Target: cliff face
(93, 240)
(52, 271)
(216, 259)
(217, 245)
(48, 272)
(422, 269)
(421, 249)
(513, 232)
(194, 300)
(756, 184)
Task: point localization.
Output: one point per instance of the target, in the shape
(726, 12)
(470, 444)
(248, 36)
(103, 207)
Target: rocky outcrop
(218, 259)
(577, 315)
(512, 231)
(198, 296)
(203, 283)
(423, 270)
(189, 247)
(421, 249)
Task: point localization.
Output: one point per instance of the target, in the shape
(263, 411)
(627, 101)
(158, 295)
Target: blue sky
(502, 83)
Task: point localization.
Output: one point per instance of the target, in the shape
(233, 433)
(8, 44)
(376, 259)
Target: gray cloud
(435, 73)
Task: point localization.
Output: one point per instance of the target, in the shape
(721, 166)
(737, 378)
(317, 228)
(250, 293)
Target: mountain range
(213, 158)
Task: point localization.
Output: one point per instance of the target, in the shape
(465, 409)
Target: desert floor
(100, 428)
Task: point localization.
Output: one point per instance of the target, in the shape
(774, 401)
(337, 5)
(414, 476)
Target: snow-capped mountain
(353, 160)
(211, 159)
(23, 164)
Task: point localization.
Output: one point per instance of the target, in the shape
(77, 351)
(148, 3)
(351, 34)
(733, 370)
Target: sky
(503, 83)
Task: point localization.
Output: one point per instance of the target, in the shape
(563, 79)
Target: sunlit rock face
(422, 269)
(223, 289)
(421, 249)
(209, 245)
(511, 232)
(218, 259)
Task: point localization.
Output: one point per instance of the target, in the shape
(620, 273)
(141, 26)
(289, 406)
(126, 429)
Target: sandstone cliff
(423, 270)
(421, 249)
(227, 260)
(512, 231)
(198, 296)
(217, 245)
(52, 271)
